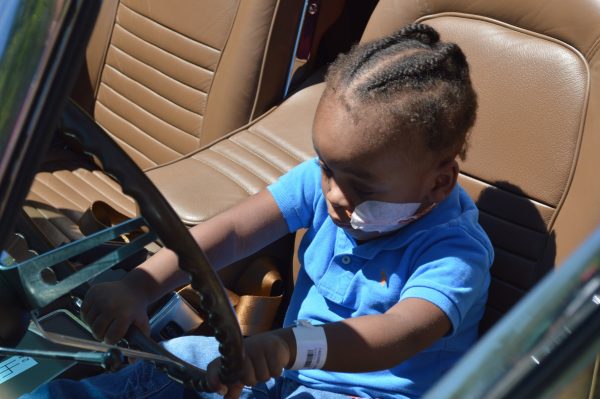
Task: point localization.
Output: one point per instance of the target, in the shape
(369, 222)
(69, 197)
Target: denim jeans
(143, 380)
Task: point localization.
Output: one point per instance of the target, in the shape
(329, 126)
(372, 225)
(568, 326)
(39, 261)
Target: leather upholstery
(165, 78)
(58, 199)
(160, 80)
(241, 164)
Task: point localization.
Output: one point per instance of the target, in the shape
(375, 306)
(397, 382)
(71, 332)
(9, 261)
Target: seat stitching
(109, 194)
(262, 156)
(150, 89)
(258, 155)
(171, 29)
(152, 138)
(593, 49)
(226, 174)
(55, 225)
(224, 155)
(82, 193)
(508, 284)
(491, 184)
(123, 143)
(155, 69)
(164, 50)
(277, 145)
(144, 110)
(58, 193)
(99, 191)
(101, 175)
(533, 260)
(503, 219)
(50, 219)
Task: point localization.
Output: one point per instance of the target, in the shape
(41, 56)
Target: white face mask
(383, 217)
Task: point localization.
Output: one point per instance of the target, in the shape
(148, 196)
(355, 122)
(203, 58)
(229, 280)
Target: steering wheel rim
(163, 219)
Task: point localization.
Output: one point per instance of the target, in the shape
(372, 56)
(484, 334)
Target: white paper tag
(15, 365)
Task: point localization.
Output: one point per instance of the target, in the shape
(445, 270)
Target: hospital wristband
(311, 346)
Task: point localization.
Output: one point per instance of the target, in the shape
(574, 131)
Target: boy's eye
(325, 169)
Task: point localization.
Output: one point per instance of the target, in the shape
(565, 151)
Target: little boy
(395, 267)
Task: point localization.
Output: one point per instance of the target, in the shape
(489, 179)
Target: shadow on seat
(524, 251)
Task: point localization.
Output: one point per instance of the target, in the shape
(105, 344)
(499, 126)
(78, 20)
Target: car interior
(215, 100)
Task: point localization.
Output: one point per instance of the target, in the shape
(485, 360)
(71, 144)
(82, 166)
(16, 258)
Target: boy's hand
(266, 356)
(111, 308)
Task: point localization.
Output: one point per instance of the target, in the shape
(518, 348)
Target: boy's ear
(446, 176)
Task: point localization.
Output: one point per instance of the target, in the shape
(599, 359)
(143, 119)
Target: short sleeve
(452, 272)
(297, 192)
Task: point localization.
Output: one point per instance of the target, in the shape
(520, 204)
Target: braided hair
(415, 83)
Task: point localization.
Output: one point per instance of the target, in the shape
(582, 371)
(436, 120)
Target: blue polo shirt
(444, 257)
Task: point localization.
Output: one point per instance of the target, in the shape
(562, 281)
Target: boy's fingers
(115, 331)
(212, 378)
(233, 391)
(143, 325)
(100, 325)
(248, 374)
(89, 315)
(261, 370)
(85, 307)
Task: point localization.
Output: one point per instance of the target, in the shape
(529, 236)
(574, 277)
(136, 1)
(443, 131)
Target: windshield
(28, 29)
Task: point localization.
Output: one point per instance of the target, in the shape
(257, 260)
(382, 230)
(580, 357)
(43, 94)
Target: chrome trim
(537, 327)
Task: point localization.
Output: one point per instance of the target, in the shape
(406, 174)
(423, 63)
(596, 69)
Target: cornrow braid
(417, 71)
(422, 84)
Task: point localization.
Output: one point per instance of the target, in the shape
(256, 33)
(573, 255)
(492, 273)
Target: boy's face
(355, 167)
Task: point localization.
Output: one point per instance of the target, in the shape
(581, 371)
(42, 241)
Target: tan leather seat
(165, 78)
(532, 166)
(214, 178)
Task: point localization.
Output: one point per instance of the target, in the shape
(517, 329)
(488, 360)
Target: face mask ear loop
(423, 212)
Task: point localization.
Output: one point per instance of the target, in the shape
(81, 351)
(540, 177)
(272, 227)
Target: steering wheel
(164, 221)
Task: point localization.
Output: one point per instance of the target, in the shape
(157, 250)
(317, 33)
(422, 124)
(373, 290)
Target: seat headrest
(575, 23)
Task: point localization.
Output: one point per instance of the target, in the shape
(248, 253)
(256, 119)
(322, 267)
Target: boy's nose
(336, 196)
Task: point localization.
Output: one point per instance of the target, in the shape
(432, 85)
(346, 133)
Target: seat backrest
(531, 167)
(166, 77)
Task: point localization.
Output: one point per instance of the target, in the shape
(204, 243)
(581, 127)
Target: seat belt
(256, 297)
